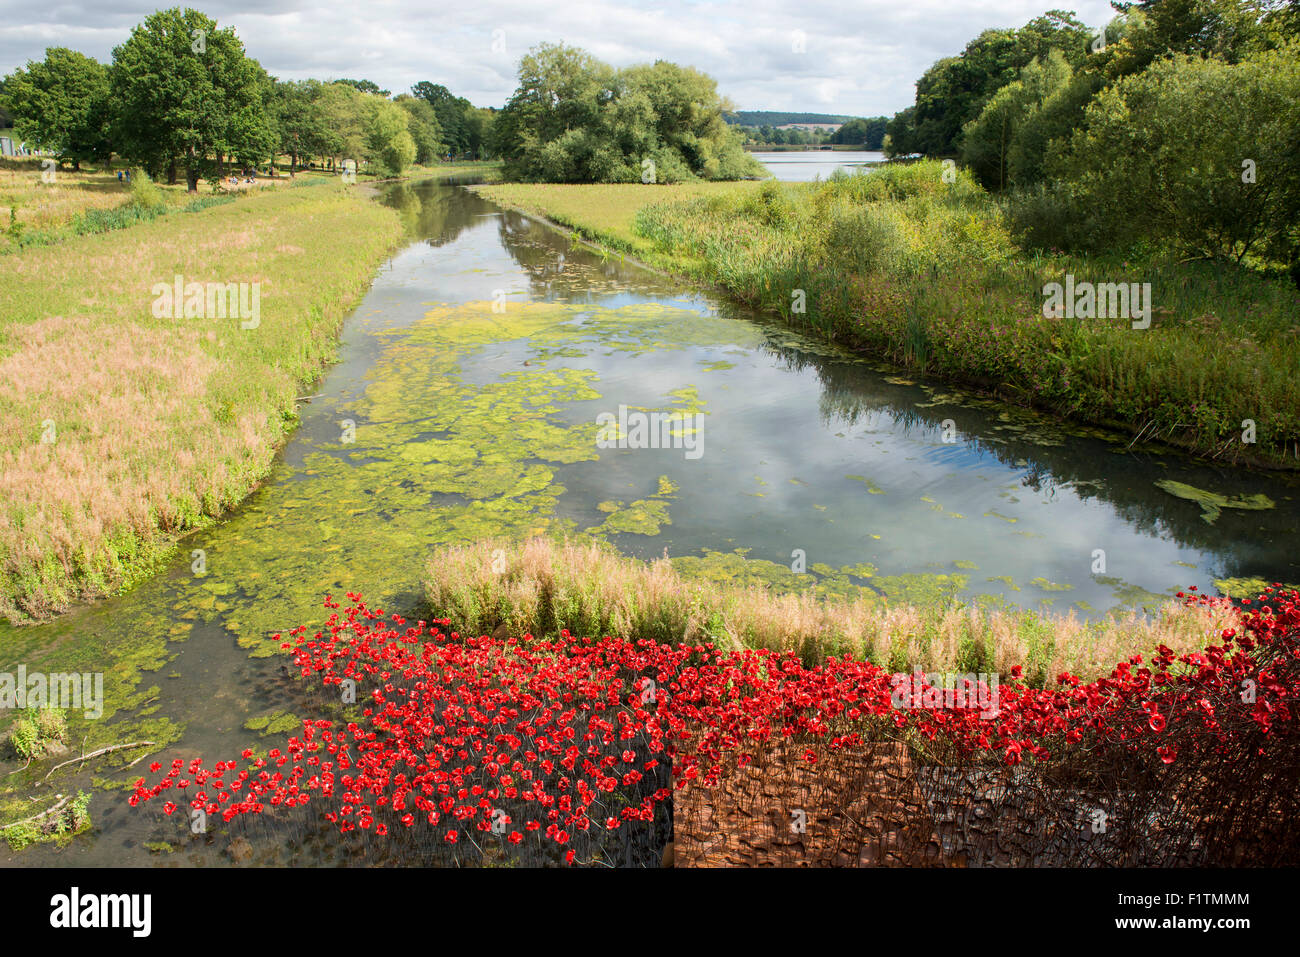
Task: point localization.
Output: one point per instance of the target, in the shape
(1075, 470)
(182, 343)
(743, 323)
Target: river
(464, 405)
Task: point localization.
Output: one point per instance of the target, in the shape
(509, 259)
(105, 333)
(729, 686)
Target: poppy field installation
(571, 750)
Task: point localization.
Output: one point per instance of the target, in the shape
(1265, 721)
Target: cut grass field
(124, 430)
(899, 263)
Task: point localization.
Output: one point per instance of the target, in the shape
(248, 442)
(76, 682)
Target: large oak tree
(186, 94)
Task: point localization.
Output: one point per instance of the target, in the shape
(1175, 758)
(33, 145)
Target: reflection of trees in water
(434, 211)
(558, 267)
(852, 392)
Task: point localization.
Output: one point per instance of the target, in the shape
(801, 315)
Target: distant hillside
(773, 118)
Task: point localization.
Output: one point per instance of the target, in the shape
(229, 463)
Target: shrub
(145, 192)
(37, 730)
(1167, 155)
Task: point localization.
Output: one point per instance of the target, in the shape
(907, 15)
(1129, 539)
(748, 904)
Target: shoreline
(662, 264)
(117, 561)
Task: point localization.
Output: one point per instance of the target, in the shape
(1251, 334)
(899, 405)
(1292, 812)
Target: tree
(422, 123)
(575, 119)
(478, 123)
(388, 138)
(451, 112)
(184, 92)
(342, 123)
(6, 115)
(900, 135)
(298, 121)
(366, 86)
(1197, 154)
(61, 104)
(953, 91)
(1004, 128)
(1225, 29)
(869, 133)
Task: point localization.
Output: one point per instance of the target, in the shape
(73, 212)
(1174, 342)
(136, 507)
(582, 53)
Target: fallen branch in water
(53, 809)
(95, 754)
(23, 768)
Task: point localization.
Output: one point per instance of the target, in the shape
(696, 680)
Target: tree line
(1175, 125)
(181, 97)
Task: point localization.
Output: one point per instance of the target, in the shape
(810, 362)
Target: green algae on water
(1212, 504)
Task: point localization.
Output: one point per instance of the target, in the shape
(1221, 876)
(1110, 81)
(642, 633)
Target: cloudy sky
(858, 57)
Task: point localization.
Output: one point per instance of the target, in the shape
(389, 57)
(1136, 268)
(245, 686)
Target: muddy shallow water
(465, 405)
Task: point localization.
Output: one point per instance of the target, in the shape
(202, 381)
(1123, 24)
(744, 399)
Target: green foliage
(61, 104)
(465, 131)
(1223, 29)
(364, 86)
(182, 95)
(1167, 156)
(298, 120)
(15, 229)
(426, 133)
(71, 820)
(388, 138)
(342, 113)
(185, 92)
(772, 118)
(574, 119)
(36, 730)
(867, 133)
(955, 90)
(924, 272)
(145, 192)
(1007, 137)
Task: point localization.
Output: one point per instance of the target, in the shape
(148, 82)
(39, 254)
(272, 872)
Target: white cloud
(860, 58)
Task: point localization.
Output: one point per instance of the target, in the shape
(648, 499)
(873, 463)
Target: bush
(1168, 155)
(37, 730)
(145, 192)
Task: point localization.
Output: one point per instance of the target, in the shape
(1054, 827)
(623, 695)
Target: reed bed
(541, 586)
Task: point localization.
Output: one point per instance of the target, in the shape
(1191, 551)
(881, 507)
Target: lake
(807, 165)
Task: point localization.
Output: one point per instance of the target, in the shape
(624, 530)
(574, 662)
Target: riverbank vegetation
(927, 273)
(126, 427)
(918, 263)
(604, 213)
(540, 587)
(1146, 172)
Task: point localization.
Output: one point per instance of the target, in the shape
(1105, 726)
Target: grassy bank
(606, 213)
(925, 273)
(124, 430)
(541, 586)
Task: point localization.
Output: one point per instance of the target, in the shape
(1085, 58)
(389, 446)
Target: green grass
(606, 213)
(489, 170)
(924, 273)
(124, 430)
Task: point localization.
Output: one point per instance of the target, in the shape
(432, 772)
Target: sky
(853, 57)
